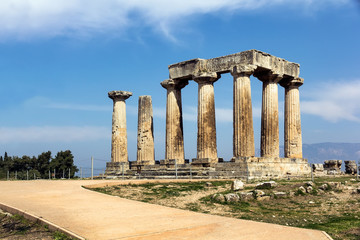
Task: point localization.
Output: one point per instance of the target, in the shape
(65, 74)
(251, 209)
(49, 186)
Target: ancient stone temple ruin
(272, 72)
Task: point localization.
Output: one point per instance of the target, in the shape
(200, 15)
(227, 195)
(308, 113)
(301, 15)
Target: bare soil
(335, 210)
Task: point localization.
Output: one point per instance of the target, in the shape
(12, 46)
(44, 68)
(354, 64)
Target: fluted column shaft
(174, 145)
(145, 140)
(206, 137)
(269, 115)
(243, 130)
(292, 123)
(119, 151)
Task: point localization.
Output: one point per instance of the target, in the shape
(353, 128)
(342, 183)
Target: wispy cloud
(43, 102)
(24, 19)
(335, 101)
(53, 134)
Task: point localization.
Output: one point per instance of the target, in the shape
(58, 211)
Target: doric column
(269, 114)
(206, 137)
(119, 151)
(243, 135)
(174, 145)
(292, 123)
(145, 139)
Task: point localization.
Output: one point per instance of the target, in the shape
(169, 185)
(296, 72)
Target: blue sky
(60, 58)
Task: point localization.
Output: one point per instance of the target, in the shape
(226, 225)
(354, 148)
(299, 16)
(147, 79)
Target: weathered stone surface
(266, 185)
(269, 114)
(309, 189)
(245, 196)
(310, 183)
(174, 145)
(232, 197)
(237, 185)
(218, 197)
(324, 187)
(243, 131)
(318, 167)
(292, 123)
(263, 198)
(350, 167)
(332, 165)
(335, 185)
(145, 136)
(302, 189)
(206, 137)
(258, 193)
(119, 151)
(264, 61)
(280, 194)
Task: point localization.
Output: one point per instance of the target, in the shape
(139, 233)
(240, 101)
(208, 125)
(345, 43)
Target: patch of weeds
(220, 183)
(147, 199)
(61, 236)
(299, 193)
(193, 207)
(338, 226)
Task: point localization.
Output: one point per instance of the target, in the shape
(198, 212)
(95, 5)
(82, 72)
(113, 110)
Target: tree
(63, 161)
(43, 163)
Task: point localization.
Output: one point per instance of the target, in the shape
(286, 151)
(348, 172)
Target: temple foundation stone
(174, 143)
(145, 137)
(206, 136)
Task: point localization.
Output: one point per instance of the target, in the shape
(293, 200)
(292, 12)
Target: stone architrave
(119, 151)
(206, 137)
(243, 130)
(145, 139)
(292, 122)
(269, 114)
(174, 145)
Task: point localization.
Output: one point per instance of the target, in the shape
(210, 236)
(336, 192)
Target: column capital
(295, 82)
(119, 95)
(243, 70)
(174, 84)
(206, 77)
(269, 76)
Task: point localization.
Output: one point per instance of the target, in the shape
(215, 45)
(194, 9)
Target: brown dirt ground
(336, 210)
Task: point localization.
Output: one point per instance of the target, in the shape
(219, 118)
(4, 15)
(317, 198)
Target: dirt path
(99, 216)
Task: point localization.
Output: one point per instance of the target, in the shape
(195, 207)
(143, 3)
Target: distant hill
(318, 152)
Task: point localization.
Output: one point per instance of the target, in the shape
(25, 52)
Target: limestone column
(206, 137)
(292, 123)
(243, 130)
(269, 114)
(145, 138)
(174, 144)
(119, 151)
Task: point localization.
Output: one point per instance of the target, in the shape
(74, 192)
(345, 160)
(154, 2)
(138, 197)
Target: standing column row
(243, 130)
(206, 136)
(119, 151)
(174, 145)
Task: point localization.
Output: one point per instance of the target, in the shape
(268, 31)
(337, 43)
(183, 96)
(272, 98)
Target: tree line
(38, 166)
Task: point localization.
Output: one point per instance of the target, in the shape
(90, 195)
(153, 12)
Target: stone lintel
(263, 61)
(119, 95)
(174, 84)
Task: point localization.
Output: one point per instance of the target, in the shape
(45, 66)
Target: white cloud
(53, 134)
(335, 101)
(24, 19)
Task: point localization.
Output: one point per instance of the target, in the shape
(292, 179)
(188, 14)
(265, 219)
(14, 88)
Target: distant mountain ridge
(318, 152)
